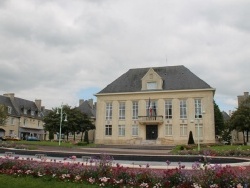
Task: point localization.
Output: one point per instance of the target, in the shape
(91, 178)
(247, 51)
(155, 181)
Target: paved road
(126, 156)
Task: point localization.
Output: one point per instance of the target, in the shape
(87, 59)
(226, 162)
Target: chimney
(38, 104)
(246, 94)
(10, 95)
(81, 101)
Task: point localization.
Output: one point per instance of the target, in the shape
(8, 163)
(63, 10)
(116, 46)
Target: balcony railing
(150, 120)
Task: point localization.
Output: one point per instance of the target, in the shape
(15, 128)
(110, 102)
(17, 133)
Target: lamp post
(61, 117)
(198, 116)
(198, 130)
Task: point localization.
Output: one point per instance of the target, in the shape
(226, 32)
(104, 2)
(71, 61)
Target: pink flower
(242, 168)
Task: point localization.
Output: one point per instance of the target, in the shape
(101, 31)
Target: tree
(190, 138)
(77, 122)
(86, 136)
(240, 120)
(3, 115)
(218, 120)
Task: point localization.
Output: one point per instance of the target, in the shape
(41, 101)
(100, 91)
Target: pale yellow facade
(157, 129)
(206, 122)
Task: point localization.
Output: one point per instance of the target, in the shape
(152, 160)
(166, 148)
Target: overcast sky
(62, 51)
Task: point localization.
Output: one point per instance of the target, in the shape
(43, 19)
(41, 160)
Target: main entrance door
(151, 132)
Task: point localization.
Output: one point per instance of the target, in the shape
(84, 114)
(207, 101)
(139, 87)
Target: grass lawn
(7, 181)
(217, 148)
(33, 144)
(230, 147)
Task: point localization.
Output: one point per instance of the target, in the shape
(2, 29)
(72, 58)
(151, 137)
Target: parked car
(32, 138)
(10, 138)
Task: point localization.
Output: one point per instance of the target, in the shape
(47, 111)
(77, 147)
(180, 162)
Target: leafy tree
(218, 119)
(190, 138)
(76, 121)
(240, 119)
(226, 133)
(3, 115)
(86, 136)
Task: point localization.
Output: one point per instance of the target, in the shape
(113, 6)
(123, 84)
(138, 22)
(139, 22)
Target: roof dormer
(151, 81)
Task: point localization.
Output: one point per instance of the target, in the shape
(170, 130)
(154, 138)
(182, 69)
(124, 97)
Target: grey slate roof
(86, 108)
(225, 115)
(7, 102)
(174, 78)
(18, 104)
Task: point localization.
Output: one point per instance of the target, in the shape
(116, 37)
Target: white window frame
(183, 109)
(200, 130)
(135, 110)
(135, 130)
(198, 108)
(122, 112)
(24, 122)
(168, 109)
(108, 130)
(121, 130)
(11, 132)
(25, 111)
(169, 130)
(12, 120)
(108, 111)
(183, 130)
(32, 112)
(9, 109)
(151, 85)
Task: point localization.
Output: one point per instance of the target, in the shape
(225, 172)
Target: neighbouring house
(88, 107)
(237, 137)
(157, 106)
(24, 117)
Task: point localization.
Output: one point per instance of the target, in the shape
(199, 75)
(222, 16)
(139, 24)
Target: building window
(183, 129)
(198, 111)
(135, 110)
(38, 124)
(122, 110)
(11, 132)
(39, 114)
(183, 109)
(198, 130)
(108, 130)
(24, 122)
(108, 111)
(151, 107)
(151, 85)
(12, 120)
(135, 130)
(32, 112)
(25, 111)
(121, 130)
(168, 109)
(9, 110)
(168, 130)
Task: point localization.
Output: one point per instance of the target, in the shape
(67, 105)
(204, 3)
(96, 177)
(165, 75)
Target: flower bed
(101, 171)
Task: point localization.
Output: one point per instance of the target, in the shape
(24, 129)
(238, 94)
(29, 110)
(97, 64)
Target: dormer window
(151, 85)
(32, 112)
(9, 110)
(25, 111)
(152, 81)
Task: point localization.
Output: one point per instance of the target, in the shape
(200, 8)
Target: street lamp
(198, 116)
(61, 117)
